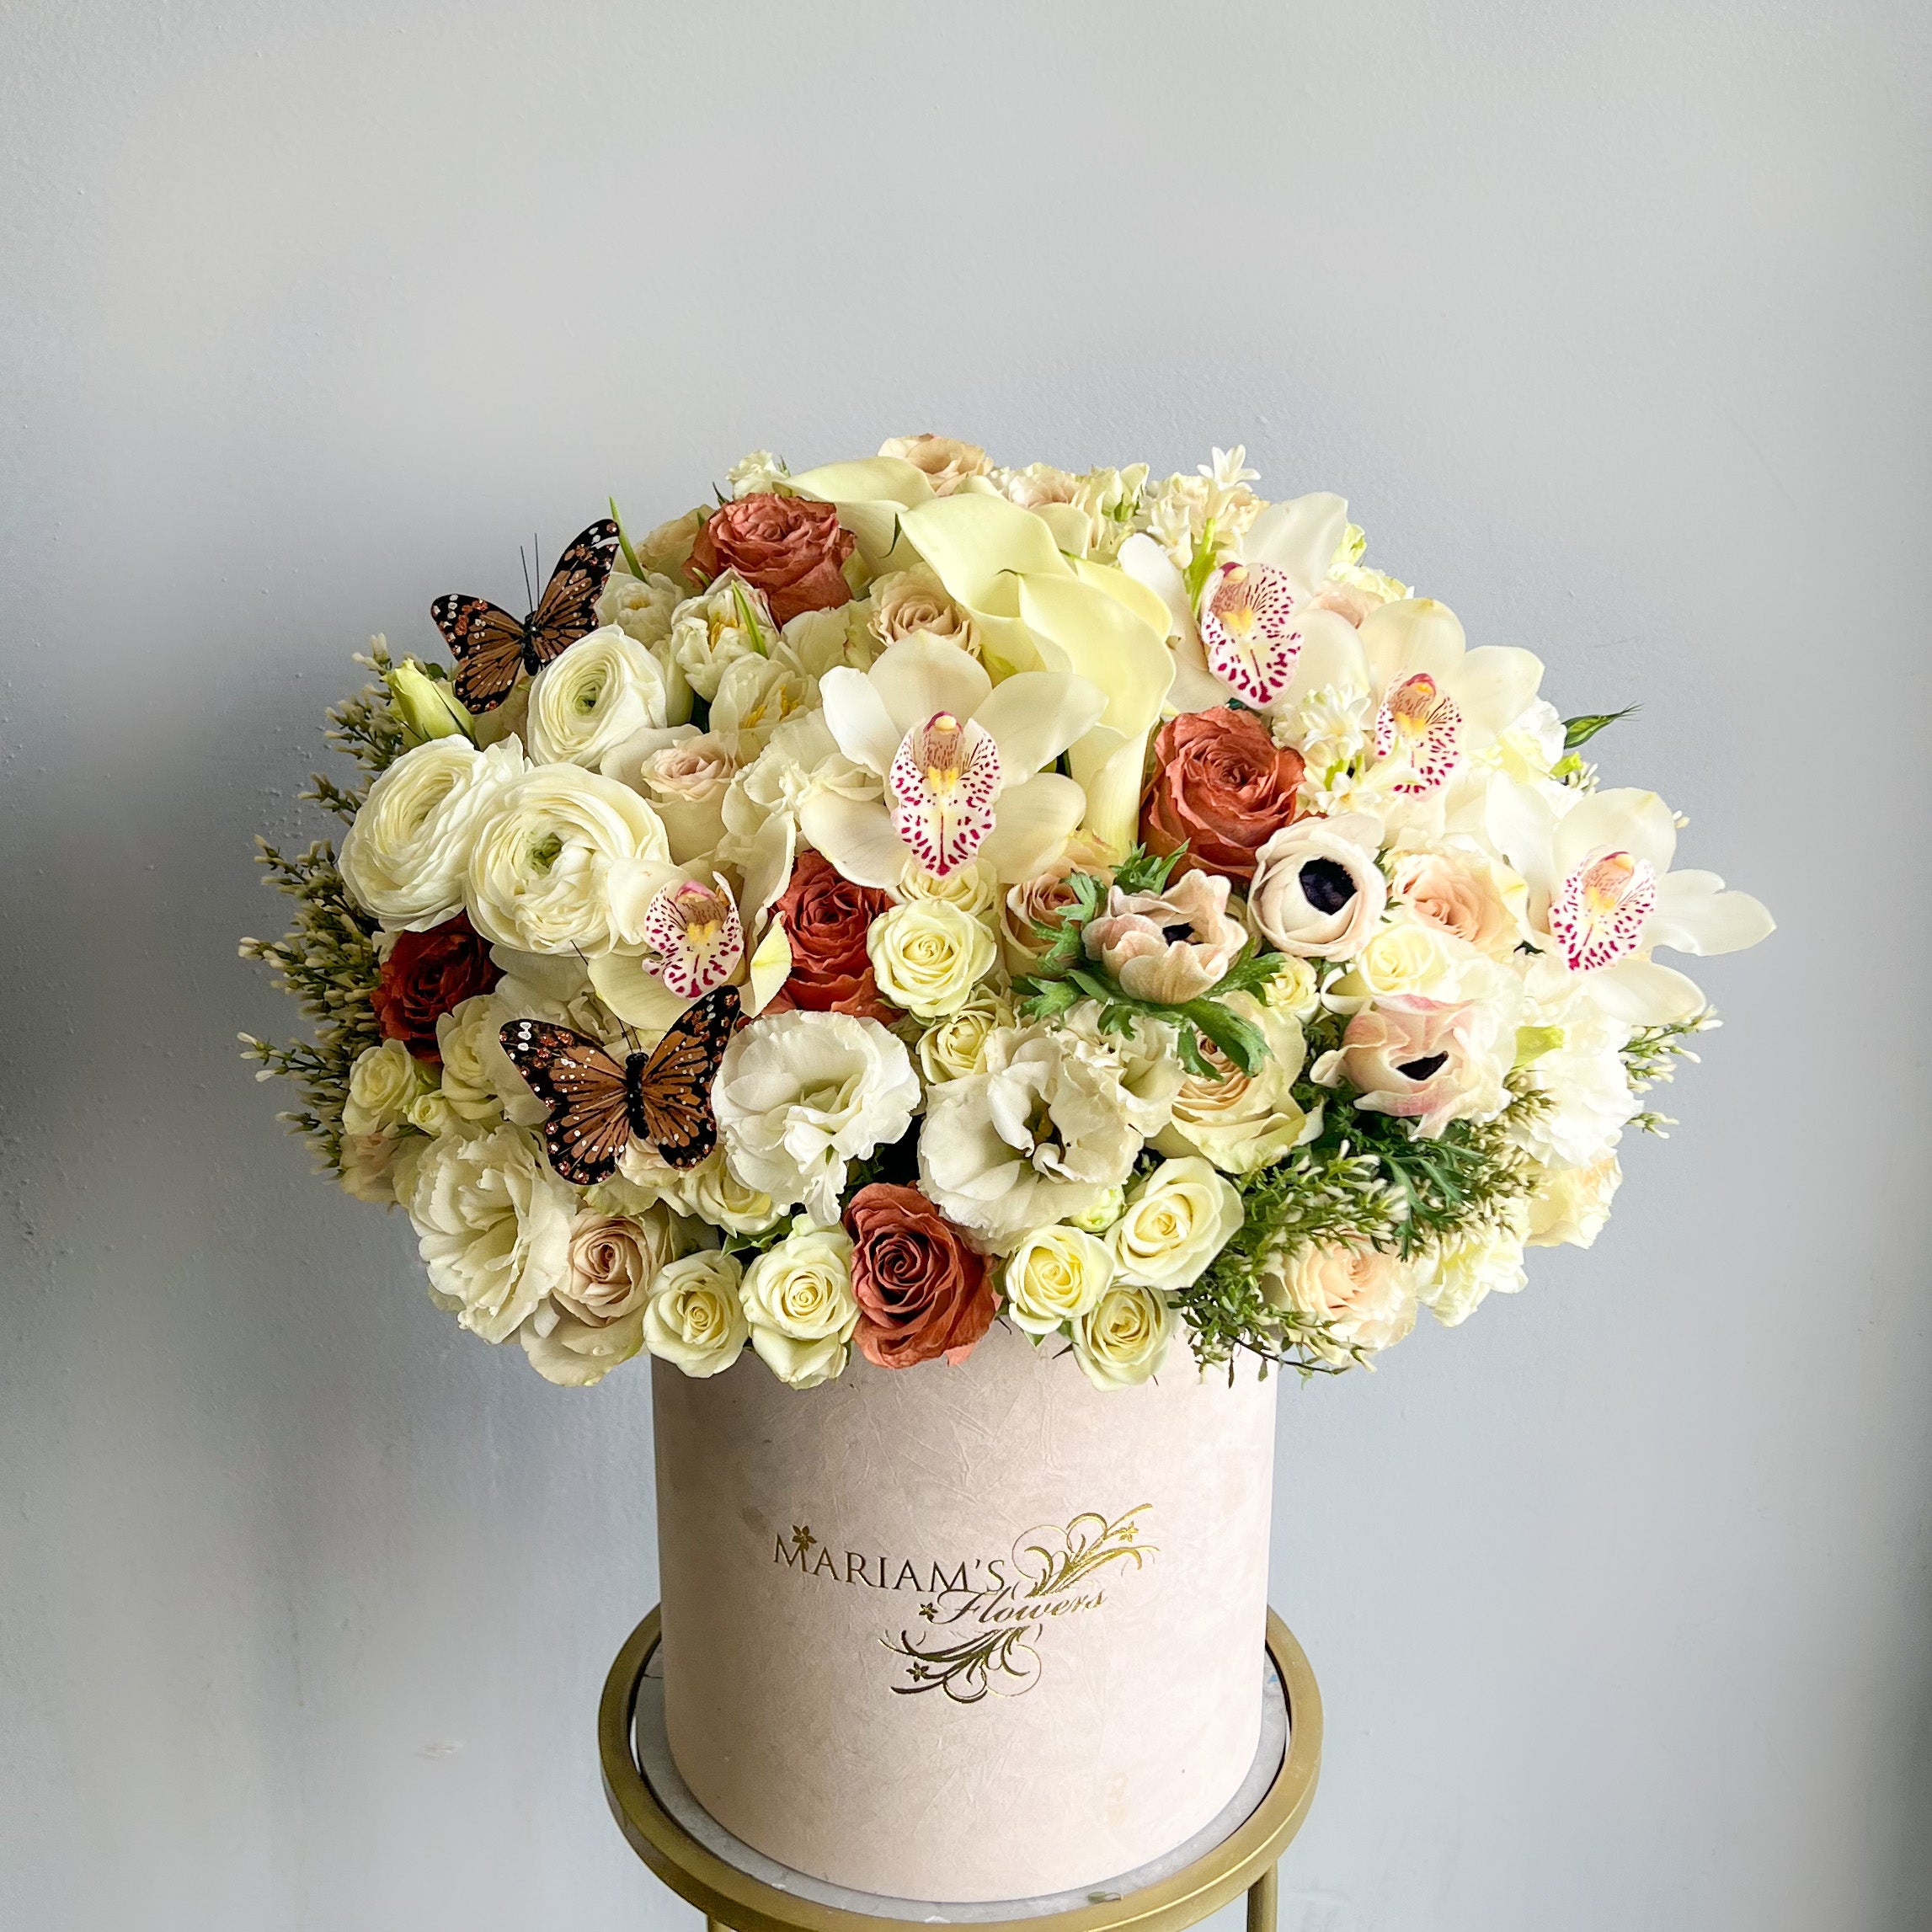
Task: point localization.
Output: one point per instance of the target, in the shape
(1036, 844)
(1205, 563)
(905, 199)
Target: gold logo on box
(984, 1615)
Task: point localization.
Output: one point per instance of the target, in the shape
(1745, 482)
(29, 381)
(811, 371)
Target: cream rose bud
(799, 1302)
(1103, 1214)
(799, 1094)
(596, 696)
(1055, 1276)
(492, 1226)
(694, 1318)
(1123, 1339)
(406, 857)
(568, 863)
(974, 888)
(709, 1191)
(384, 1084)
(1317, 889)
(1366, 1299)
(1294, 988)
(729, 621)
(1177, 1218)
(1572, 1205)
(927, 956)
(686, 782)
(426, 706)
(955, 1046)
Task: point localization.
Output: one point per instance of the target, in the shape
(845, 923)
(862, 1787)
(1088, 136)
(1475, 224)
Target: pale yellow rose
(1055, 1276)
(1240, 1121)
(1177, 1218)
(1123, 1338)
(927, 955)
(799, 1302)
(953, 1047)
(974, 888)
(384, 1085)
(694, 1317)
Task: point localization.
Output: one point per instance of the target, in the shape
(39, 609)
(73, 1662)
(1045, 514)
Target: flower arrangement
(915, 893)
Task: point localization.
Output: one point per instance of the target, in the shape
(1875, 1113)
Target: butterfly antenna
(528, 592)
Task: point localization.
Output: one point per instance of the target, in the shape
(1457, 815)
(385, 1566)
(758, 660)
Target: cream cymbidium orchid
(694, 931)
(959, 757)
(1601, 895)
(1241, 633)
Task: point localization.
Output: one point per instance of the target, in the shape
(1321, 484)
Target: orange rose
(827, 918)
(922, 1293)
(792, 550)
(1221, 787)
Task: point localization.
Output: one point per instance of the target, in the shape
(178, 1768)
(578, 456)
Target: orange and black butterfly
(491, 647)
(597, 1105)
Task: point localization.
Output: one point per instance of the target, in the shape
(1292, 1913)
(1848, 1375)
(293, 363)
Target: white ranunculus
(1040, 1135)
(1485, 1262)
(1582, 1070)
(598, 696)
(493, 1226)
(1123, 1338)
(1366, 1298)
(927, 956)
(955, 1046)
(568, 862)
(1177, 1218)
(1572, 1205)
(480, 1085)
(729, 621)
(799, 1094)
(641, 607)
(407, 854)
(694, 1317)
(384, 1083)
(1055, 1276)
(1242, 1121)
(799, 1302)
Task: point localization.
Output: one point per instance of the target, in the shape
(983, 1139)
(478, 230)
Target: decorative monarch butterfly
(490, 646)
(597, 1105)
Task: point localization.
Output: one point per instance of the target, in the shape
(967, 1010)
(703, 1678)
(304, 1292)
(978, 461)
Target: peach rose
(905, 603)
(946, 461)
(792, 550)
(1170, 945)
(613, 1260)
(1220, 786)
(1466, 893)
(922, 1293)
(1046, 896)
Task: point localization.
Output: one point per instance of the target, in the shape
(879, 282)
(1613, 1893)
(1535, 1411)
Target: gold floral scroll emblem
(981, 1640)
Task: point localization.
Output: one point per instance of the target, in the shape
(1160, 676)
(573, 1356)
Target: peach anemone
(961, 759)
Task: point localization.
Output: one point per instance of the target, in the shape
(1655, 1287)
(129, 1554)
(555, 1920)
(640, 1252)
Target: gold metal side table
(757, 1896)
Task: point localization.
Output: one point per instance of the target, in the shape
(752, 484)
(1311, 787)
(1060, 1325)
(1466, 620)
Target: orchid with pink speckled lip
(696, 931)
(1602, 895)
(961, 760)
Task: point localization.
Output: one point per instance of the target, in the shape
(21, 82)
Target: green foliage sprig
(1650, 1058)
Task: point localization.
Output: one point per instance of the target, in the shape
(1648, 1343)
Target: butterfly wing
(487, 643)
(567, 609)
(674, 1093)
(589, 1123)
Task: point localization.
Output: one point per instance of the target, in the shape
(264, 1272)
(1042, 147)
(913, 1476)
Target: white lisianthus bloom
(1177, 1218)
(600, 693)
(493, 1226)
(385, 1082)
(799, 1094)
(1040, 1135)
(694, 1318)
(729, 621)
(1240, 1121)
(568, 862)
(1530, 750)
(1485, 1262)
(406, 856)
(1123, 1338)
(710, 1191)
(961, 760)
(1576, 1057)
(927, 956)
(799, 1302)
(1572, 1205)
(1055, 1276)
(955, 1046)
(757, 473)
(1366, 1298)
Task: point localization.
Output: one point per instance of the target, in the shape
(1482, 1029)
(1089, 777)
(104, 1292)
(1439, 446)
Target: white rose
(1238, 1121)
(1485, 1262)
(473, 1089)
(729, 621)
(1410, 958)
(974, 888)
(407, 854)
(492, 1226)
(1123, 1338)
(1056, 1275)
(1366, 1298)
(1581, 1068)
(927, 955)
(594, 699)
(1176, 1220)
(694, 1318)
(1294, 989)
(799, 1302)
(1103, 1214)
(710, 1191)
(1573, 1203)
(383, 1084)
(799, 1094)
(955, 1046)
(568, 862)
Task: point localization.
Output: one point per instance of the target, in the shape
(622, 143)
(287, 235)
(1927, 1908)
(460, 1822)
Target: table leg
(1261, 1896)
(712, 1924)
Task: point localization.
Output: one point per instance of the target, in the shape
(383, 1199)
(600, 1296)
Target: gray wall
(1612, 323)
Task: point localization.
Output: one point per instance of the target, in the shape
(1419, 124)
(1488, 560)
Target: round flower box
(974, 1632)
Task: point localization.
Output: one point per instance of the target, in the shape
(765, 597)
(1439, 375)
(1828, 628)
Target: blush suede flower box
(1009, 924)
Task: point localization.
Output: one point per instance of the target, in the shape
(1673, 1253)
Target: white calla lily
(1602, 895)
(959, 759)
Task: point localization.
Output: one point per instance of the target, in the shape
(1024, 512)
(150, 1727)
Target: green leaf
(623, 538)
(1581, 730)
(1142, 871)
(1241, 1040)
